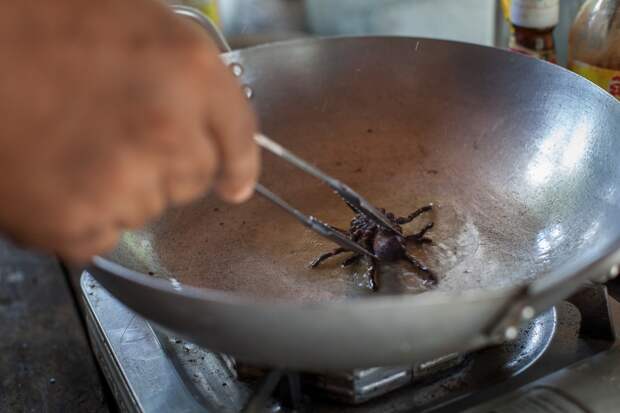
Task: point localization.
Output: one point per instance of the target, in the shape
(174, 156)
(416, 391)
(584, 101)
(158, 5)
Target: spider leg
(371, 273)
(351, 260)
(419, 236)
(414, 214)
(429, 276)
(327, 255)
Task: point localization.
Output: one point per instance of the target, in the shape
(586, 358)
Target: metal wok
(519, 157)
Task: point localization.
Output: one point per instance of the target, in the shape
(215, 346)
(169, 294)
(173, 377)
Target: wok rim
(319, 39)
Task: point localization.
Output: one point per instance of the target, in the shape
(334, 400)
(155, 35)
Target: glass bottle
(533, 22)
(594, 44)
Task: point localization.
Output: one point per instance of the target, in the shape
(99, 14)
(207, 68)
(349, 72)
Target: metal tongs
(355, 200)
(352, 198)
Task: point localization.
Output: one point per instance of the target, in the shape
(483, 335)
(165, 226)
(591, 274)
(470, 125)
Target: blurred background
(250, 22)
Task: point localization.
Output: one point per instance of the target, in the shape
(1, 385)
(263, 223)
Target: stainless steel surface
(148, 372)
(517, 155)
(206, 23)
(360, 385)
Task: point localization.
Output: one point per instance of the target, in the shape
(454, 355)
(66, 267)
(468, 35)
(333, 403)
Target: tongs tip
(360, 204)
(355, 200)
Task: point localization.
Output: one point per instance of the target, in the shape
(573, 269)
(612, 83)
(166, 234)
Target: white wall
(465, 20)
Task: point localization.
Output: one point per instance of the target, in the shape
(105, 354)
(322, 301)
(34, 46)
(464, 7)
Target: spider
(386, 245)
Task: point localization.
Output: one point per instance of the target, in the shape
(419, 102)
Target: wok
(518, 156)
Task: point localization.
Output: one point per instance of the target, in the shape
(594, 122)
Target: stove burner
(150, 371)
(361, 385)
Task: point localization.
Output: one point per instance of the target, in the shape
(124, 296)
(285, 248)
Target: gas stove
(565, 360)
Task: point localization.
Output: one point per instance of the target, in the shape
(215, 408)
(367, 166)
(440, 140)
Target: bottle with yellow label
(594, 44)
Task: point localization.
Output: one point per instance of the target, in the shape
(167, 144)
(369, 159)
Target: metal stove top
(563, 361)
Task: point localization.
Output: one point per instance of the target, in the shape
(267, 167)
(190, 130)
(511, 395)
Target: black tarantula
(386, 245)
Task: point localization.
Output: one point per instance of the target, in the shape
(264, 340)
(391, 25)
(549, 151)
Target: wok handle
(206, 23)
(549, 290)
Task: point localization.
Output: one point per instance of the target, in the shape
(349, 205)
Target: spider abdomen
(387, 247)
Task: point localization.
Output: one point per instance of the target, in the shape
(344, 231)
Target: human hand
(110, 112)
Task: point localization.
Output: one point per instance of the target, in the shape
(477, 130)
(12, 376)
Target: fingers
(144, 183)
(231, 123)
(239, 159)
(76, 243)
(192, 172)
(81, 250)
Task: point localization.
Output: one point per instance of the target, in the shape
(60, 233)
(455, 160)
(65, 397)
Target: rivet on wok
(176, 284)
(247, 91)
(527, 313)
(511, 333)
(614, 271)
(236, 68)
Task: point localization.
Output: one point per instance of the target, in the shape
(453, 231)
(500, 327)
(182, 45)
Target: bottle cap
(535, 14)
